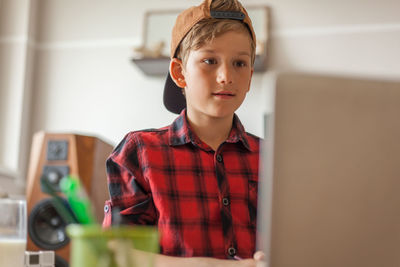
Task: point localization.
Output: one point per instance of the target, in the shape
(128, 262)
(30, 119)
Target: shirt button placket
(225, 209)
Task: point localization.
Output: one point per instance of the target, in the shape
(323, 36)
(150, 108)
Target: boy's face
(218, 75)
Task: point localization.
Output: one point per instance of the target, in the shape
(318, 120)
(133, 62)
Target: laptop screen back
(330, 189)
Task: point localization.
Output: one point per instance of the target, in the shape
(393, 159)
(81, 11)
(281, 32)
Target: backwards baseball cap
(173, 98)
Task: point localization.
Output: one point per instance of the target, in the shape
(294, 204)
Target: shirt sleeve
(130, 193)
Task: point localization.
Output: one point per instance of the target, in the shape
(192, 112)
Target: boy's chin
(221, 113)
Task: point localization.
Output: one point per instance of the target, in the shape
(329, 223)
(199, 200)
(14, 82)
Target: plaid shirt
(204, 202)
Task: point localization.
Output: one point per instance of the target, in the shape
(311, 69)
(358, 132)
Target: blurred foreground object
(112, 247)
(78, 199)
(12, 232)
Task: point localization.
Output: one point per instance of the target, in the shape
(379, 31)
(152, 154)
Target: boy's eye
(210, 61)
(240, 63)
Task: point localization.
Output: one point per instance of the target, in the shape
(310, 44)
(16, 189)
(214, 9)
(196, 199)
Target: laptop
(329, 193)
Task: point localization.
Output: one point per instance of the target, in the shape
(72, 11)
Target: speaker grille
(46, 227)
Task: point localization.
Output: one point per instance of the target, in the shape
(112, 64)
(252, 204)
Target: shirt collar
(180, 133)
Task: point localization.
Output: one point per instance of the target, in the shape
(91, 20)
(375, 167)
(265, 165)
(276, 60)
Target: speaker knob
(53, 177)
(53, 174)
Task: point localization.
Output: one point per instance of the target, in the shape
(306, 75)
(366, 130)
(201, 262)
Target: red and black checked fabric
(203, 201)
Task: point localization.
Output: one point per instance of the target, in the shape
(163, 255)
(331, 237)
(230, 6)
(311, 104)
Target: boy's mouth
(224, 94)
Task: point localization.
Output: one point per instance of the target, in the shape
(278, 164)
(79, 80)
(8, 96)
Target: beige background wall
(65, 65)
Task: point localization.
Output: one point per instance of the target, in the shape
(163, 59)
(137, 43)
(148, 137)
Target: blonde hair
(207, 30)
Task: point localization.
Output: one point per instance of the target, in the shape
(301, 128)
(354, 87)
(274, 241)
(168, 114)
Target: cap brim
(173, 98)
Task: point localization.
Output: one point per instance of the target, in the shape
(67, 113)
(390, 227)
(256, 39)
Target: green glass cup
(122, 246)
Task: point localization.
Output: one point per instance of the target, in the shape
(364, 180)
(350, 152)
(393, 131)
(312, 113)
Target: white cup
(12, 232)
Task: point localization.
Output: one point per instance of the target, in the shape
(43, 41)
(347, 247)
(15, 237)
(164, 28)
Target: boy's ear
(176, 72)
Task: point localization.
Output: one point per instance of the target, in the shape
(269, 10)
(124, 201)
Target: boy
(197, 178)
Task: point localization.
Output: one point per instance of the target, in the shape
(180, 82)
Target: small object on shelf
(153, 52)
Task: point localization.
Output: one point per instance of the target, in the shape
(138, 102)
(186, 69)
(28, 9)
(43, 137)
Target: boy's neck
(212, 131)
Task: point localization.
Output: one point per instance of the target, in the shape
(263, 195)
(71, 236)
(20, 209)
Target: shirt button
(219, 158)
(231, 251)
(225, 201)
(106, 208)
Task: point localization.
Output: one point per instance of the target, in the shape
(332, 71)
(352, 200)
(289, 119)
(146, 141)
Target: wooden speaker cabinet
(52, 157)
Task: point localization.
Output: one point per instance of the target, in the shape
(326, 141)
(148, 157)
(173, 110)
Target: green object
(77, 199)
(90, 244)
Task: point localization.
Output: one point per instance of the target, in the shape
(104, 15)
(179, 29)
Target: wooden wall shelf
(153, 66)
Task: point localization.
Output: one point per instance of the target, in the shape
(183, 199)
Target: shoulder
(253, 142)
(135, 140)
(253, 137)
(147, 135)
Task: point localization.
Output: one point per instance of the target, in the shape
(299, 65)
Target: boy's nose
(224, 75)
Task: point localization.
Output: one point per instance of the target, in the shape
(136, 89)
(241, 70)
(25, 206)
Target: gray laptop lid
(330, 189)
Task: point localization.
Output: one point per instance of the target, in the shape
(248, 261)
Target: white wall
(84, 81)
(83, 69)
